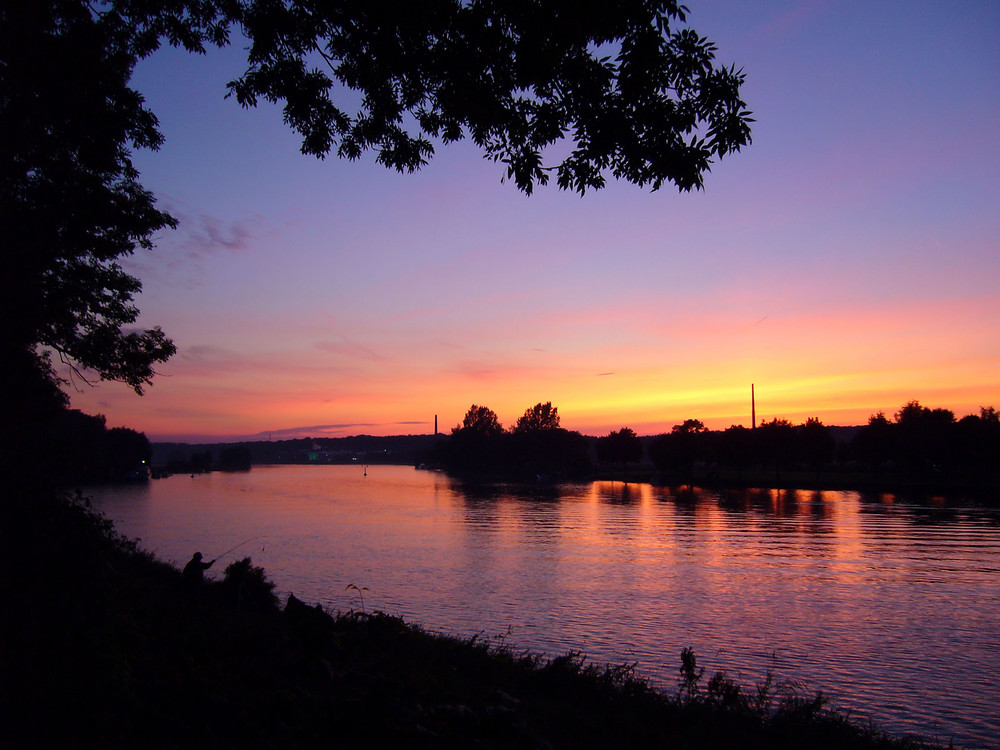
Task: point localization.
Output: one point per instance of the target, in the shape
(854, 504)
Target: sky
(845, 263)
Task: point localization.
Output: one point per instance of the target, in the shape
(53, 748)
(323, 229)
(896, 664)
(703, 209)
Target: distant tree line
(178, 458)
(777, 445)
(918, 442)
(194, 461)
(922, 439)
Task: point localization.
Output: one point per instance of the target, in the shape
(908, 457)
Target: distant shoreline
(979, 483)
(983, 490)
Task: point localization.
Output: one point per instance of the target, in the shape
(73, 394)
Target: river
(890, 607)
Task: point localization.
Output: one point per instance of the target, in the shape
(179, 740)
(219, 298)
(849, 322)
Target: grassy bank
(105, 646)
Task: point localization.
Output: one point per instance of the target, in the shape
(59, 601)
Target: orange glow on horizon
(856, 368)
(174, 410)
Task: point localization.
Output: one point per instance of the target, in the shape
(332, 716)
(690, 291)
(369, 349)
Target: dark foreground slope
(104, 646)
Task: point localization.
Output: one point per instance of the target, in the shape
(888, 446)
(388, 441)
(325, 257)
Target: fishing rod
(231, 549)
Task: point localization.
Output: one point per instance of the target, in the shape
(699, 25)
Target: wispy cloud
(348, 349)
(492, 370)
(208, 235)
(315, 430)
(181, 254)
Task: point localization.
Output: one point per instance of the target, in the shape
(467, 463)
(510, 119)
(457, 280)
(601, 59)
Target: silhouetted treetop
(912, 414)
(538, 417)
(689, 426)
(481, 420)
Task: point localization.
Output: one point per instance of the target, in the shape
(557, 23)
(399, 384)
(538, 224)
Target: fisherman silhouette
(194, 571)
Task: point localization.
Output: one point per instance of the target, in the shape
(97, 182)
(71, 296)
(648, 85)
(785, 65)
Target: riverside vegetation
(106, 647)
(920, 449)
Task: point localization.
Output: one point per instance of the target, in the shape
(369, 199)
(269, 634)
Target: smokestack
(753, 409)
(435, 425)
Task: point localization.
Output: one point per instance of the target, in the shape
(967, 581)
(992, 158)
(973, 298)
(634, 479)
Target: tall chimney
(435, 425)
(753, 409)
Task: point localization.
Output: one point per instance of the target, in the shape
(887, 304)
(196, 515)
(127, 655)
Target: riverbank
(110, 649)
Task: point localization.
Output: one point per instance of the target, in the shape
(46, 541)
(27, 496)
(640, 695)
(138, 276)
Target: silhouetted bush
(249, 587)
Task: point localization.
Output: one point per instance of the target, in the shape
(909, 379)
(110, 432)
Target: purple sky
(846, 262)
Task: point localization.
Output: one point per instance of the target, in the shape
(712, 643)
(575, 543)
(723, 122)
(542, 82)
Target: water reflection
(863, 596)
(619, 493)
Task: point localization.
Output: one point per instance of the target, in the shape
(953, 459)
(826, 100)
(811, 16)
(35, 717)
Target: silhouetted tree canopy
(536, 447)
(977, 439)
(873, 444)
(127, 450)
(623, 87)
(736, 446)
(923, 436)
(71, 205)
(677, 451)
(480, 420)
(538, 417)
(620, 447)
(550, 454)
(815, 446)
(574, 90)
(79, 448)
(689, 426)
(475, 447)
(776, 442)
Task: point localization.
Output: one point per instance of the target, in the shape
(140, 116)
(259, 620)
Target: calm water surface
(890, 608)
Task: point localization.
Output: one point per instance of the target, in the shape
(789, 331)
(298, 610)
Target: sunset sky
(845, 263)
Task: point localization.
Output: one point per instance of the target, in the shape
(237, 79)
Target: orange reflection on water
(839, 590)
